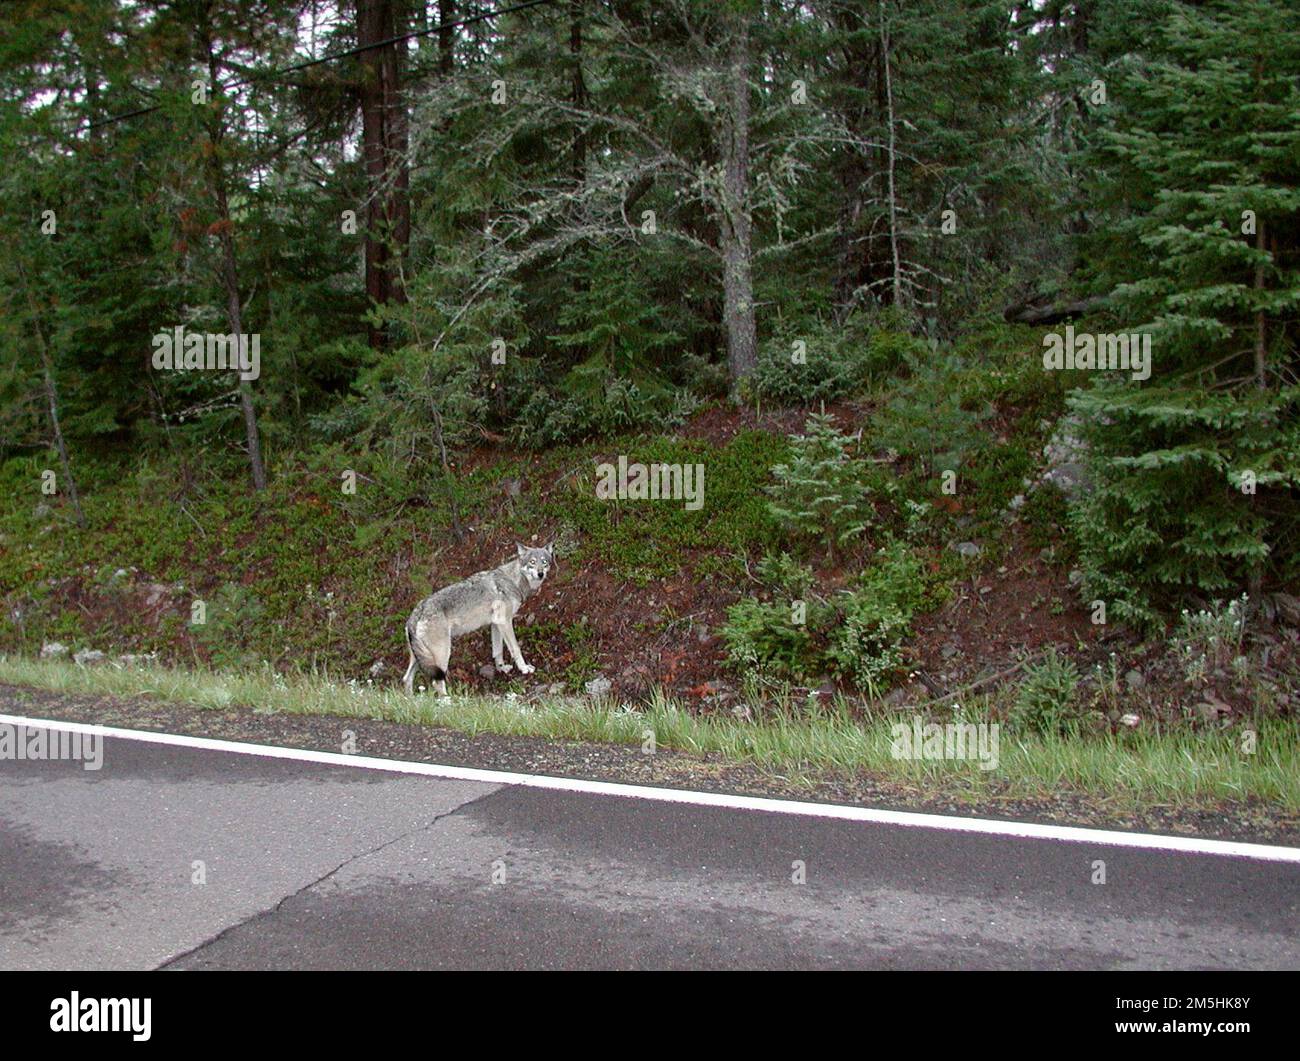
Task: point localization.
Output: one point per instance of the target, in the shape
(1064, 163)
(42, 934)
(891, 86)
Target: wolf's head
(535, 564)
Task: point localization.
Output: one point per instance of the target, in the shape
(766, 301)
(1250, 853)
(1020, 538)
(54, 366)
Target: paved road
(185, 858)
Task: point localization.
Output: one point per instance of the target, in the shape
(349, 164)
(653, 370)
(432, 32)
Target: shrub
(1210, 639)
(866, 646)
(571, 413)
(823, 375)
(763, 636)
(702, 377)
(1166, 518)
(856, 635)
(230, 625)
(831, 361)
(927, 418)
(787, 575)
(1046, 695)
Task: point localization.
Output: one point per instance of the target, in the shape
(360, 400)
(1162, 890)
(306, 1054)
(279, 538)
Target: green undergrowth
(1124, 770)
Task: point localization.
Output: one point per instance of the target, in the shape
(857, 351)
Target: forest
(979, 317)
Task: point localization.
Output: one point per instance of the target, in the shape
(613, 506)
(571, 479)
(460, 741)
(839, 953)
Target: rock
(378, 668)
(1134, 680)
(1065, 452)
(1017, 503)
(967, 549)
(488, 670)
(1076, 577)
(156, 592)
(949, 650)
(599, 686)
(130, 659)
(1130, 720)
(555, 689)
(896, 697)
(88, 657)
(1287, 608)
(53, 650)
(714, 691)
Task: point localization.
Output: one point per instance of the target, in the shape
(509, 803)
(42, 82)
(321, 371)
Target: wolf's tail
(436, 673)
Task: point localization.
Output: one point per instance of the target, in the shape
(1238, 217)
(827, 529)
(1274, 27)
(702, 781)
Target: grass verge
(1131, 769)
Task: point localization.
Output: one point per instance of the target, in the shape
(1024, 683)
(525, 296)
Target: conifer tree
(1197, 470)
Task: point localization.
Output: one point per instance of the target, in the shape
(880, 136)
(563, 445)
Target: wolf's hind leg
(440, 650)
(432, 648)
(408, 679)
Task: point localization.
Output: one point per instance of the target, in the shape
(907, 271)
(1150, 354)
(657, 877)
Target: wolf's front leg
(500, 663)
(508, 632)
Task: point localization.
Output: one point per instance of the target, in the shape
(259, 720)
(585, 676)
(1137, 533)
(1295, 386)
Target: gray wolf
(487, 598)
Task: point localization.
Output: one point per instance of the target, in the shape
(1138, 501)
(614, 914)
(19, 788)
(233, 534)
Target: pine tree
(821, 493)
(1197, 469)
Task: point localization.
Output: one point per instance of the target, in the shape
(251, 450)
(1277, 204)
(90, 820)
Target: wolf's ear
(550, 548)
(521, 550)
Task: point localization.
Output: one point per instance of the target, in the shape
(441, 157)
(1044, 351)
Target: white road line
(986, 826)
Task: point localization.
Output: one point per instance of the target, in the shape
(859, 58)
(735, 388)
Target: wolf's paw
(526, 668)
(504, 668)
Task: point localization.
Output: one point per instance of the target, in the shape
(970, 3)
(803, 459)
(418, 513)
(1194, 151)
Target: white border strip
(985, 826)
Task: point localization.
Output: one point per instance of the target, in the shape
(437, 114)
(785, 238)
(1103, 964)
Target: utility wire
(273, 74)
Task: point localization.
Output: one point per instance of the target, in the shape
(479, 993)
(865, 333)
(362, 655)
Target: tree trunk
(384, 145)
(736, 227)
(1029, 312)
(230, 270)
(857, 264)
(1261, 324)
(52, 399)
(446, 36)
(899, 295)
(579, 91)
(1255, 579)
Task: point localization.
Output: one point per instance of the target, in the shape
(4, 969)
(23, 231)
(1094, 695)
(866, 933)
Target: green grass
(643, 542)
(1130, 770)
(252, 559)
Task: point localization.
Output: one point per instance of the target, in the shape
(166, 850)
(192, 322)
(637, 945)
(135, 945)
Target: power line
(272, 74)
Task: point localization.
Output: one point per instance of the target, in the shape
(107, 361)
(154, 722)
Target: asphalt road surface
(185, 858)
